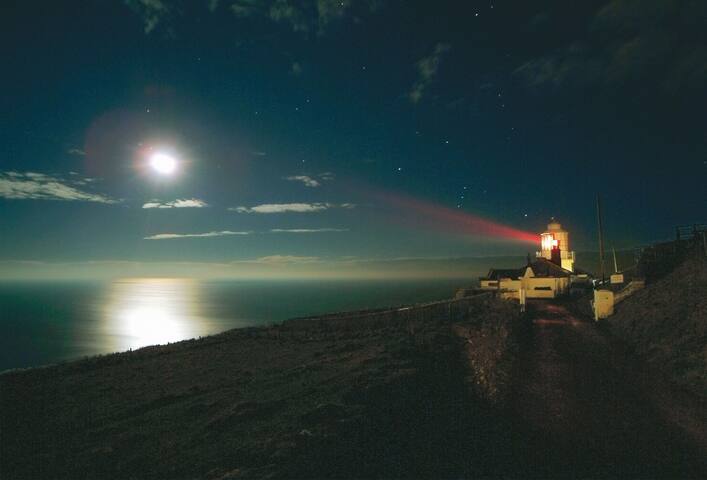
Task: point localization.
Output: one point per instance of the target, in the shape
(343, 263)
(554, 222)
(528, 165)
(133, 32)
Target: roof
(581, 271)
(499, 273)
(542, 267)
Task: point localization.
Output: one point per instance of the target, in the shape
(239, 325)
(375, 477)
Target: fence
(445, 310)
(690, 232)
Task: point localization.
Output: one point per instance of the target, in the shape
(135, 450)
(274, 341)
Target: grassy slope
(667, 323)
(270, 402)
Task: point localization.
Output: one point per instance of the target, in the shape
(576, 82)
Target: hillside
(667, 322)
(395, 398)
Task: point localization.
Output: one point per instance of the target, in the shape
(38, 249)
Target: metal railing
(564, 255)
(688, 232)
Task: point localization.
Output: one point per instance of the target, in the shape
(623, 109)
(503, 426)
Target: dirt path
(584, 407)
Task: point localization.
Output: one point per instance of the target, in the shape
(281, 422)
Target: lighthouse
(555, 246)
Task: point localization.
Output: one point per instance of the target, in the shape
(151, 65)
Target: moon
(163, 163)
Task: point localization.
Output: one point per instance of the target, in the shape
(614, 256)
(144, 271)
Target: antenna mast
(601, 239)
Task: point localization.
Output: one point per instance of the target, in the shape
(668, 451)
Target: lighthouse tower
(555, 246)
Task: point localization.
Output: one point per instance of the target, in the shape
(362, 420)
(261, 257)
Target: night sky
(336, 132)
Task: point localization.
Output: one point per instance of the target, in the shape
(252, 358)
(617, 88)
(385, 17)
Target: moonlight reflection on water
(149, 311)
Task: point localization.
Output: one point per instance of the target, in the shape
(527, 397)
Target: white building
(549, 276)
(539, 279)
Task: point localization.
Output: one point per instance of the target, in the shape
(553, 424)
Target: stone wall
(445, 310)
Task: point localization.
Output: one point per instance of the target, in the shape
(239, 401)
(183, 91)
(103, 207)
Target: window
(542, 288)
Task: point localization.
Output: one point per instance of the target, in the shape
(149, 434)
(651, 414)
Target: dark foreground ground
(490, 396)
(391, 399)
(585, 406)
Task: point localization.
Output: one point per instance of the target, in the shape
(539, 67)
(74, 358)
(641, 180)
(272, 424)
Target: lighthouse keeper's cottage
(549, 276)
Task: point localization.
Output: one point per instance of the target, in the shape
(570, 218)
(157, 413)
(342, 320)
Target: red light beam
(449, 219)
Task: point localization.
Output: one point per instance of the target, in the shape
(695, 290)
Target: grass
(385, 399)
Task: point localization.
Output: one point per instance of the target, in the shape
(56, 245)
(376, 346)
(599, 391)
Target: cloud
(76, 151)
(305, 179)
(179, 203)
(427, 68)
(291, 207)
(245, 8)
(330, 10)
(312, 181)
(40, 186)
(308, 230)
(648, 44)
(296, 69)
(152, 12)
(169, 236)
(283, 208)
(284, 11)
(279, 259)
(303, 16)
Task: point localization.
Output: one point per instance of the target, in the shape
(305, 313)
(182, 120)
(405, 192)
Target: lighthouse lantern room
(555, 246)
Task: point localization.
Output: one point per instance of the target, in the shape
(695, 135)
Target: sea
(45, 323)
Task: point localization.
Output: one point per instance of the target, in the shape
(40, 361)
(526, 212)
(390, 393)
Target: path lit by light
(149, 311)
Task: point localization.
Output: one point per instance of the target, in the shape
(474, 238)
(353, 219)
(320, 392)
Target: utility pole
(601, 239)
